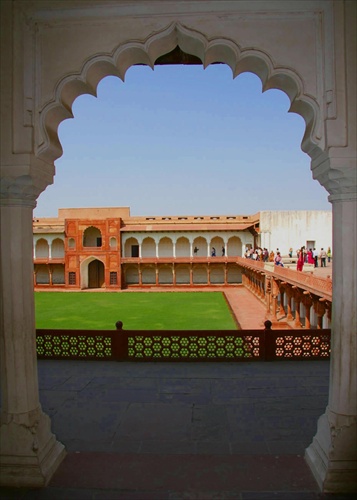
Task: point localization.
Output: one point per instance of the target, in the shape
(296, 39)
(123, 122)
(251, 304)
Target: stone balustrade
(291, 297)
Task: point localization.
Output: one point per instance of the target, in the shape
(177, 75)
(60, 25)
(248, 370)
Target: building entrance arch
(92, 273)
(41, 78)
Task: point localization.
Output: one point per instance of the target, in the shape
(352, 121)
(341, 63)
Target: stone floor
(175, 431)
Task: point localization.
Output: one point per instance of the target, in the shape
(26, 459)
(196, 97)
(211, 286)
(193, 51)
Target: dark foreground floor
(141, 431)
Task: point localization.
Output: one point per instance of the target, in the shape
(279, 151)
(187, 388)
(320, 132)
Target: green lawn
(138, 311)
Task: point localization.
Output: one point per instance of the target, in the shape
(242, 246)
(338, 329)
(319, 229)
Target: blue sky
(181, 140)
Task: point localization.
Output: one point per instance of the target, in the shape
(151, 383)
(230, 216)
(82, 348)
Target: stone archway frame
(216, 50)
(83, 269)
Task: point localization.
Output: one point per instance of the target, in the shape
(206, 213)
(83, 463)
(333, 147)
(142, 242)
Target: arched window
(42, 249)
(57, 249)
(113, 243)
(92, 237)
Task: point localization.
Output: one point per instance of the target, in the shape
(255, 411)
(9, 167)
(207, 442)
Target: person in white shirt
(323, 256)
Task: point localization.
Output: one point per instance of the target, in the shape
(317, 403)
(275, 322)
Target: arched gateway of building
(306, 49)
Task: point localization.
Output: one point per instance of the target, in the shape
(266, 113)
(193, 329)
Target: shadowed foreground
(184, 430)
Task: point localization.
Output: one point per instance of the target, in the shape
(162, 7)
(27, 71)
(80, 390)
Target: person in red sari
(301, 259)
(310, 257)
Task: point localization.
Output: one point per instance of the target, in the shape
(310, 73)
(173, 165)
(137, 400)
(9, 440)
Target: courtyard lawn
(138, 311)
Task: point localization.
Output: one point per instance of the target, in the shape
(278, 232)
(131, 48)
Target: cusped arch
(217, 50)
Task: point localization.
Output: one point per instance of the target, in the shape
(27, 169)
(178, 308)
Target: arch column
(332, 454)
(29, 451)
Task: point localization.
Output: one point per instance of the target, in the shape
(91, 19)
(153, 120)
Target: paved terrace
(140, 431)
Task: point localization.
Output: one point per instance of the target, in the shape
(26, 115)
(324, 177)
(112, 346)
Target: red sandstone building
(107, 248)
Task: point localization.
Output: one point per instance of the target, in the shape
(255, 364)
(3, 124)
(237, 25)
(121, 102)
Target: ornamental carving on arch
(220, 49)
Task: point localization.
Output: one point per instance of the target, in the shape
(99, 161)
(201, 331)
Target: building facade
(107, 248)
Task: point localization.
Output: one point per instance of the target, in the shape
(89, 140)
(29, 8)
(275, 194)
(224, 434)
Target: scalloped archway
(217, 50)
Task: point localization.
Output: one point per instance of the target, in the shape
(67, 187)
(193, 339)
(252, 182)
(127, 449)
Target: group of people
(312, 256)
(261, 254)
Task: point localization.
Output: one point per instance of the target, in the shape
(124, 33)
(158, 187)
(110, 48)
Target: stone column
(320, 311)
(289, 316)
(173, 274)
(332, 454)
(29, 451)
(307, 301)
(297, 300)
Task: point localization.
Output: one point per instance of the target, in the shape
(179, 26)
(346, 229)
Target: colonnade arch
(183, 246)
(320, 89)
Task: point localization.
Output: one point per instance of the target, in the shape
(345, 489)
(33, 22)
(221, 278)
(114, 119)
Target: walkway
(175, 431)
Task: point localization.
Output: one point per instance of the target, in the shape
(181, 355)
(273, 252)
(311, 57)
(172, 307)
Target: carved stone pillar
(307, 301)
(29, 451)
(332, 456)
(289, 293)
(275, 293)
(173, 275)
(50, 272)
(297, 300)
(319, 309)
(268, 290)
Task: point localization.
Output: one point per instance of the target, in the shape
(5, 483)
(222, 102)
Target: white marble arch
(165, 247)
(128, 244)
(315, 67)
(217, 274)
(131, 275)
(234, 247)
(182, 247)
(165, 275)
(182, 272)
(42, 274)
(148, 275)
(57, 248)
(199, 274)
(42, 249)
(148, 247)
(58, 277)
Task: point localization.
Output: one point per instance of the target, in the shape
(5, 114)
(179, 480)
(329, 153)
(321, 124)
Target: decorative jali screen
(229, 345)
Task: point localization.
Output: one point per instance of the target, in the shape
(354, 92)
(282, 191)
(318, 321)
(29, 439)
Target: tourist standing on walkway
(329, 254)
(315, 254)
(323, 256)
(271, 256)
(301, 259)
(265, 255)
(223, 251)
(213, 253)
(290, 253)
(310, 257)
